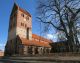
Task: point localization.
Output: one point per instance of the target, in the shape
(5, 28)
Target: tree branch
(69, 9)
(58, 28)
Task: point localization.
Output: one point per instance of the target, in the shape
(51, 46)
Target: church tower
(20, 24)
(21, 41)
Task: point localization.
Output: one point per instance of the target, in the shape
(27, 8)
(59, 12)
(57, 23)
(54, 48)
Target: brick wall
(1, 53)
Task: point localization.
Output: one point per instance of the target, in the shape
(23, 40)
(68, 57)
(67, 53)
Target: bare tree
(63, 15)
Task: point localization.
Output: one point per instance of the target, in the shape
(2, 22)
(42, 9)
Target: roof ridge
(21, 9)
(41, 37)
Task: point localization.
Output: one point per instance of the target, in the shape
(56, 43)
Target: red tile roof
(35, 43)
(41, 38)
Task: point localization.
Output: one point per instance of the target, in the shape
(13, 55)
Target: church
(20, 40)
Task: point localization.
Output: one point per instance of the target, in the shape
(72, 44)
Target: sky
(5, 10)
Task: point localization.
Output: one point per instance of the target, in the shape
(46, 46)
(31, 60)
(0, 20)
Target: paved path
(55, 59)
(72, 58)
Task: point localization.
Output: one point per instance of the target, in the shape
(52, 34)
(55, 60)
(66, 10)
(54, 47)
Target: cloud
(50, 36)
(53, 37)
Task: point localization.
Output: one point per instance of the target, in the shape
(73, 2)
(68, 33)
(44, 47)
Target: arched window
(22, 15)
(27, 18)
(22, 24)
(25, 25)
(27, 33)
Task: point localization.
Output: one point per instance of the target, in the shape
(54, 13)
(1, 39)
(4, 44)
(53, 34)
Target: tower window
(22, 24)
(27, 18)
(25, 25)
(22, 15)
(27, 33)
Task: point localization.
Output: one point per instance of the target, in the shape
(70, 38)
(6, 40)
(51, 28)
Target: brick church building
(20, 38)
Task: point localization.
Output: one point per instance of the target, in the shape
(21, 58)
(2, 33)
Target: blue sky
(5, 10)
